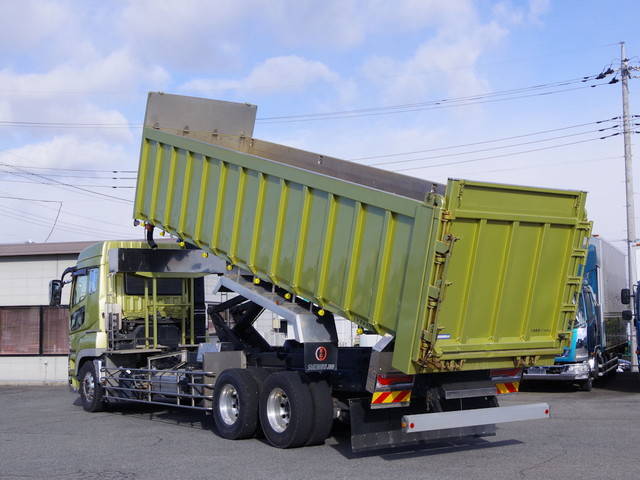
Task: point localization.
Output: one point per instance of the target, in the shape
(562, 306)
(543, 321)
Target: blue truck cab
(599, 335)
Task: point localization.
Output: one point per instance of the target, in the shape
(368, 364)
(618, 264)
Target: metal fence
(34, 330)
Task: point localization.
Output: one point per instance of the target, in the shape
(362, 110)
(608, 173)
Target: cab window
(85, 284)
(93, 281)
(80, 285)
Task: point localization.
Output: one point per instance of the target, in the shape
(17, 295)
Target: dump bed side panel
(511, 278)
(342, 245)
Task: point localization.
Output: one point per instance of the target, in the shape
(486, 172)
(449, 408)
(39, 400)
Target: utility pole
(631, 221)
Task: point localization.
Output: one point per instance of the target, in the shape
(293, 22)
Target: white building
(33, 336)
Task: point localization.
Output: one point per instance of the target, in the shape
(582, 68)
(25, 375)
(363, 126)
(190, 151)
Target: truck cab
(599, 332)
(128, 299)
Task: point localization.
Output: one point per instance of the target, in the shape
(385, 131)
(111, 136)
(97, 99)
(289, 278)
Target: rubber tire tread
(301, 420)
(322, 412)
(260, 375)
(97, 404)
(247, 388)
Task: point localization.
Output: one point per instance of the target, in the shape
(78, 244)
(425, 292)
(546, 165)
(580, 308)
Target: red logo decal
(321, 354)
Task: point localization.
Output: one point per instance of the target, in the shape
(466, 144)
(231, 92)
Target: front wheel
(91, 391)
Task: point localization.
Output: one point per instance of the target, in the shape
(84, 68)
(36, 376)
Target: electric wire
(16, 215)
(546, 165)
(63, 185)
(487, 97)
(69, 226)
(483, 142)
(459, 162)
(501, 147)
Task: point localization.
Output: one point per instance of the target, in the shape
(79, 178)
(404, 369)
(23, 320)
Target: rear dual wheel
(295, 411)
(292, 410)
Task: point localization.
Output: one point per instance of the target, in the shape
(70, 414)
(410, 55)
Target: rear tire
(235, 404)
(322, 412)
(91, 391)
(286, 410)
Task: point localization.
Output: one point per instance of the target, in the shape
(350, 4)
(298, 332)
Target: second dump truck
(466, 283)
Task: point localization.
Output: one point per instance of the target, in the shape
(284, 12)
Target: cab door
(83, 318)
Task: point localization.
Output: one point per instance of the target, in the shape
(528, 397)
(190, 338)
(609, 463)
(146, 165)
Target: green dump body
(471, 276)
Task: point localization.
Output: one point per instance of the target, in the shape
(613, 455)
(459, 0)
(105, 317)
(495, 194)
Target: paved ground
(44, 434)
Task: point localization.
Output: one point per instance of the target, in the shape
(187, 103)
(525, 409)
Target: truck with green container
(465, 283)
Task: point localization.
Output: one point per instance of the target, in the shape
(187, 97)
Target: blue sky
(73, 62)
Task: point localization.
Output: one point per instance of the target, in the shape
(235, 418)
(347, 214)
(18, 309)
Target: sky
(481, 90)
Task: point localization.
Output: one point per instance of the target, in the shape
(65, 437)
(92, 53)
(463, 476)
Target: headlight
(592, 362)
(578, 368)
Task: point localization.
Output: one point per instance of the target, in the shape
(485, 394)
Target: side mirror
(627, 315)
(55, 292)
(625, 296)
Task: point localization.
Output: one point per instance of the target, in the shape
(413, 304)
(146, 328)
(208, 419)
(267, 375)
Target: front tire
(91, 391)
(286, 410)
(235, 404)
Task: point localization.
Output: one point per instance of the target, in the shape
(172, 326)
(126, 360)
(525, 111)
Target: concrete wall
(33, 370)
(25, 280)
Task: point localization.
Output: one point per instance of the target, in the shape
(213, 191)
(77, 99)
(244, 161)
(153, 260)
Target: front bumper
(562, 373)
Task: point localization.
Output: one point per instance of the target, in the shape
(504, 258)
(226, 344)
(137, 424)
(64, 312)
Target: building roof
(52, 248)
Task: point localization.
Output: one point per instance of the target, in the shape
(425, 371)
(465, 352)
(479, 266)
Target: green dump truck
(465, 284)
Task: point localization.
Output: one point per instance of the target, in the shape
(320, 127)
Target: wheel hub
(228, 404)
(278, 410)
(88, 386)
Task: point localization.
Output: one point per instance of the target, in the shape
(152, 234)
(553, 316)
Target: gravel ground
(45, 434)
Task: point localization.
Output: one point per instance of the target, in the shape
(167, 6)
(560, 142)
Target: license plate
(536, 370)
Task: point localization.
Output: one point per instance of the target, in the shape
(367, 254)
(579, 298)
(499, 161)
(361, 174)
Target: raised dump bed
(466, 276)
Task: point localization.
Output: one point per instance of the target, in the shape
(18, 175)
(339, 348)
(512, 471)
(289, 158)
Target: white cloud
(25, 24)
(287, 73)
(537, 8)
(436, 63)
(70, 151)
(78, 93)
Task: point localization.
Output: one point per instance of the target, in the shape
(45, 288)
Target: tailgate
(506, 293)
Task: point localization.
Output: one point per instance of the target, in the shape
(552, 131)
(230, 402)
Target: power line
(67, 212)
(501, 147)
(393, 109)
(542, 165)
(371, 111)
(30, 199)
(77, 185)
(55, 222)
(20, 216)
(503, 155)
(69, 226)
(62, 184)
(450, 147)
(65, 169)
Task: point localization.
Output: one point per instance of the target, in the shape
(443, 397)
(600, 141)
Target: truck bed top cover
(466, 276)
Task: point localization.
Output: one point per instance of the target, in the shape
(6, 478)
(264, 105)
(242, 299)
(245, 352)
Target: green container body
(482, 276)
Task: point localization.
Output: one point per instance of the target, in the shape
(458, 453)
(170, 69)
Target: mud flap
(378, 429)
